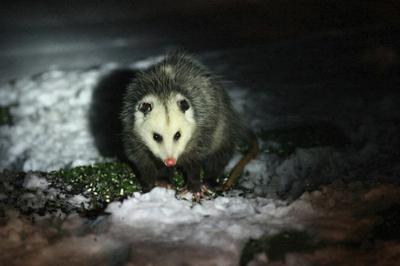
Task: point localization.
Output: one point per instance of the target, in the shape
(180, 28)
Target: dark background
(36, 35)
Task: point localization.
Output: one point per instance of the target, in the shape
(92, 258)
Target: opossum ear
(183, 105)
(145, 107)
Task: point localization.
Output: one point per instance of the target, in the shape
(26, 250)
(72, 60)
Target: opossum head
(165, 125)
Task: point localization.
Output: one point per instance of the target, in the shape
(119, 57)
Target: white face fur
(165, 129)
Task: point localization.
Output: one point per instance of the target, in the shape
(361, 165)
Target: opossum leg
(238, 169)
(192, 176)
(147, 181)
(151, 176)
(214, 168)
(164, 178)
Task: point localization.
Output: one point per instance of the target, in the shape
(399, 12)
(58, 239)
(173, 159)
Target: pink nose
(170, 162)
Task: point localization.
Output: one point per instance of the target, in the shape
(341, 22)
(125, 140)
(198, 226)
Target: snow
(157, 206)
(79, 201)
(160, 208)
(157, 217)
(33, 182)
(223, 222)
(43, 125)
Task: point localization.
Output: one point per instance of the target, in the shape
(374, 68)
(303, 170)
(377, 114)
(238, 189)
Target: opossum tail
(250, 154)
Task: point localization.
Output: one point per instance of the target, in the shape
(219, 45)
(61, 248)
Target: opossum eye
(145, 107)
(177, 136)
(157, 137)
(183, 105)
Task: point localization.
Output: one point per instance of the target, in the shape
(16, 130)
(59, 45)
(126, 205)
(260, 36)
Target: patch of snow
(157, 207)
(223, 221)
(33, 182)
(79, 201)
(50, 113)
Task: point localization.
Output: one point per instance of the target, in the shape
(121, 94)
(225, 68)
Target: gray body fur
(218, 127)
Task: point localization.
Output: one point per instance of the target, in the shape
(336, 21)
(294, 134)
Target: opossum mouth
(170, 162)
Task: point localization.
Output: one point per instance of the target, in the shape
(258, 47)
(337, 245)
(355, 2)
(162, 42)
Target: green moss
(308, 136)
(178, 180)
(103, 182)
(5, 116)
(276, 246)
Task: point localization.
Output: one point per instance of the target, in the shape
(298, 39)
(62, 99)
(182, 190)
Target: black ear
(145, 107)
(183, 105)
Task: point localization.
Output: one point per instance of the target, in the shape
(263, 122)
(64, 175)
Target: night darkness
(316, 81)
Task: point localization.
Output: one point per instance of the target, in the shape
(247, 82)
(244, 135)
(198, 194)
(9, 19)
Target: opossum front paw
(186, 193)
(203, 193)
(197, 196)
(207, 191)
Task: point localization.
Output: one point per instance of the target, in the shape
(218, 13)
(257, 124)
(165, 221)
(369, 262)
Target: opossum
(177, 114)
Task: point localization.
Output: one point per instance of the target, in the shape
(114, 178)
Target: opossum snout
(170, 162)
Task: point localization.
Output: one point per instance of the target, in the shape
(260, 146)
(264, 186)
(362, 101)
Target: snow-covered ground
(51, 130)
(156, 228)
